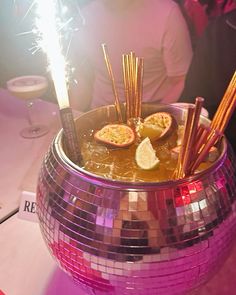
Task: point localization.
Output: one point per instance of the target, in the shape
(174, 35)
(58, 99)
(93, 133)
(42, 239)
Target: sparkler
(48, 26)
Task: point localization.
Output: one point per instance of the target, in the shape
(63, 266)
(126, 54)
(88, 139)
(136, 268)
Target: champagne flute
(29, 88)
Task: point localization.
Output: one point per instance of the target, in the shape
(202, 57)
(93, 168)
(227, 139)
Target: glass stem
(29, 117)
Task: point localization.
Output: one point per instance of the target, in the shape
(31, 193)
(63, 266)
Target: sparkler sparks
(47, 24)
(53, 27)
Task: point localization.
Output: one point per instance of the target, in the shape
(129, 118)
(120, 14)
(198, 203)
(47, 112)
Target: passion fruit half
(117, 135)
(157, 126)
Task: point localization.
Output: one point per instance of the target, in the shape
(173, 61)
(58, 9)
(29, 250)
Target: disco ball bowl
(115, 237)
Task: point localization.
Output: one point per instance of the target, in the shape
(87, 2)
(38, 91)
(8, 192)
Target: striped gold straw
(133, 80)
(110, 72)
(125, 77)
(179, 171)
(225, 104)
(140, 86)
(188, 157)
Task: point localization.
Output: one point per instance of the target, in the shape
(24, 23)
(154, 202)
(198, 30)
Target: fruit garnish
(145, 155)
(117, 135)
(157, 126)
(149, 130)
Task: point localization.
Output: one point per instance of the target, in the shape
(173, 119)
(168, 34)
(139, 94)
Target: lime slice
(145, 155)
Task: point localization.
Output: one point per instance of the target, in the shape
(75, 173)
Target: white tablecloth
(20, 158)
(26, 267)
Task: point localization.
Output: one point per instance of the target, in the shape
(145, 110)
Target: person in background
(188, 20)
(155, 30)
(197, 16)
(228, 5)
(200, 12)
(212, 67)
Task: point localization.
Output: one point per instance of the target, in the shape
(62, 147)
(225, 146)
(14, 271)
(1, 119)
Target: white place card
(27, 208)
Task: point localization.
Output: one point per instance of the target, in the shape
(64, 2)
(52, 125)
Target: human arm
(177, 54)
(175, 88)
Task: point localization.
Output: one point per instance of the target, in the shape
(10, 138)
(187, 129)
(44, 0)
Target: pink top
(230, 5)
(153, 29)
(197, 15)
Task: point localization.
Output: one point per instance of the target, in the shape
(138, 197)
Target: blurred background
(17, 46)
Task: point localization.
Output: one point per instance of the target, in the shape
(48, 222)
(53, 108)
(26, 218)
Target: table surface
(21, 158)
(26, 267)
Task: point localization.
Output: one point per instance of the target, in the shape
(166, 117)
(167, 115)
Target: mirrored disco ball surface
(120, 238)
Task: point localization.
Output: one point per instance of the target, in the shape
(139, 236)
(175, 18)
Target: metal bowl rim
(111, 183)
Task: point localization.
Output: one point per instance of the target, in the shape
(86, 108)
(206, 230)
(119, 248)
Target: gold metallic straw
(133, 80)
(125, 78)
(179, 171)
(140, 86)
(213, 138)
(110, 72)
(229, 112)
(225, 104)
(192, 135)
